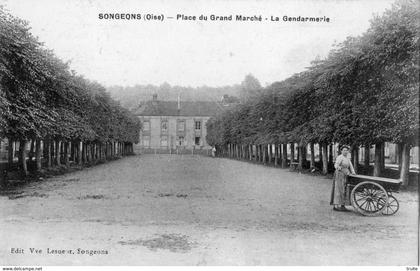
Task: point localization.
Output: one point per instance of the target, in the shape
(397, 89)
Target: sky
(192, 53)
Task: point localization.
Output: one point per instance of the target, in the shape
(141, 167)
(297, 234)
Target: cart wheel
(369, 198)
(391, 207)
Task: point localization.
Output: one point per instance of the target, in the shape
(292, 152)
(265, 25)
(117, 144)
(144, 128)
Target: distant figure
(213, 151)
(343, 167)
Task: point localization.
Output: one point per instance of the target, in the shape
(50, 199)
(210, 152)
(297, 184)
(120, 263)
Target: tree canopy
(364, 92)
(40, 97)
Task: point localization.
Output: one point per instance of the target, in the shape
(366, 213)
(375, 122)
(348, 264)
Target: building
(174, 126)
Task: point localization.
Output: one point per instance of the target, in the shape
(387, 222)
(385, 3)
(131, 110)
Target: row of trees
(364, 93)
(43, 103)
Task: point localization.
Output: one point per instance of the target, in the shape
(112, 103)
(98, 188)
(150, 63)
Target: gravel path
(195, 210)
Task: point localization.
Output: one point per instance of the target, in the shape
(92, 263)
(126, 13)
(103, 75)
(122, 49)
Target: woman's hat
(344, 146)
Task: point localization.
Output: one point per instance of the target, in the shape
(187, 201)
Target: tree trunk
(238, 155)
(22, 147)
(38, 155)
(84, 152)
(257, 157)
(292, 152)
(48, 154)
(400, 147)
(114, 148)
(383, 157)
(276, 155)
(355, 156)
(300, 157)
(79, 153)
(31, 150)
(109, 149)
(312, 147)
(19, 154)
(367, 157)
(324, 158)
(10, 152)
(52, 151)
(232, 151)
(89, 152)
(405, 165)
(377, 169)
(330, 154)
(284, 159)
(257, 153)
(66, 153)
(100, 151)
(320, 153)
(71, 146)
(57, 152)
(264, 153)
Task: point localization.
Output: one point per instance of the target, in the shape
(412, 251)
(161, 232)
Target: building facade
(174, 126)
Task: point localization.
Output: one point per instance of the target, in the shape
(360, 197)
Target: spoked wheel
(391, 207)
(369, 198)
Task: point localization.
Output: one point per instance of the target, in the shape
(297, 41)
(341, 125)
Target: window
(180, 140)
(146, 141)
(164, 141)
(146, 125)
(197, 141)
(181, 125)
(164, 126)
(198, 125)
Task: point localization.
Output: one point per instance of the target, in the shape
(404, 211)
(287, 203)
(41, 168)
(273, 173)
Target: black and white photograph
(214, 133)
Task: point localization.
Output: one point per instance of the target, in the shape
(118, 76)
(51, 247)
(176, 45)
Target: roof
(170, 108)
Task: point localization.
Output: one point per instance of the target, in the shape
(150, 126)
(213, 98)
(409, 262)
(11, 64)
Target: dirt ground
(196, 210)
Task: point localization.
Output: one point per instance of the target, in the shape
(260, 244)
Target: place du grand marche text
(212, 17)
(257, 18)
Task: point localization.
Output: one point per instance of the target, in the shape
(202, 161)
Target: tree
(250, 88)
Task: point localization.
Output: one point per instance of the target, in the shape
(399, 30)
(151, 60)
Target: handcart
(372, 196)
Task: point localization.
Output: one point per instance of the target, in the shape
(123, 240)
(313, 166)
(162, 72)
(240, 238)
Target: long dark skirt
(338, 191)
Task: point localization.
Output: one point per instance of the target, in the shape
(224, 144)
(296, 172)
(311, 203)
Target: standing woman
(343, 167)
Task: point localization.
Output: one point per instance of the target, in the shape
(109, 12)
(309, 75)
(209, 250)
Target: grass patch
(171, 242)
